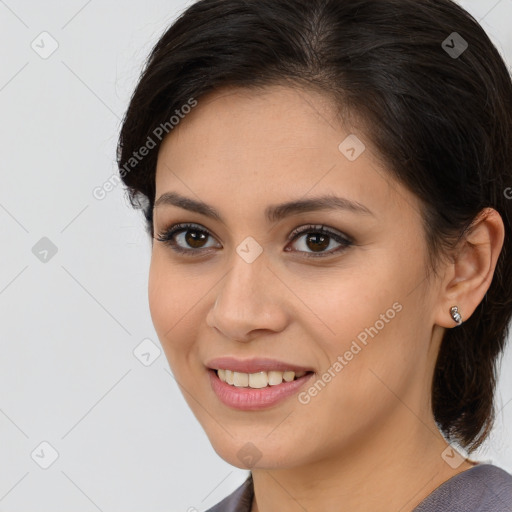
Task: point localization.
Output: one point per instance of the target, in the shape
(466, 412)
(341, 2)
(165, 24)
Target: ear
(470, 272)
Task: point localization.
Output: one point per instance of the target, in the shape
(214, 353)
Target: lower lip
(249, 399)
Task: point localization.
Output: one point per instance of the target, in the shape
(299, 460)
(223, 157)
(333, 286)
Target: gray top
(483, 488)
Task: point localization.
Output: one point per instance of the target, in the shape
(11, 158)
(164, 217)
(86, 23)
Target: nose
(250, 301)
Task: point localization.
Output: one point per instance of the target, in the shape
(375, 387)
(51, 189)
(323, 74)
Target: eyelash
(167, 237)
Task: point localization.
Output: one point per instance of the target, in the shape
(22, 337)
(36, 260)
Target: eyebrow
(273, 213)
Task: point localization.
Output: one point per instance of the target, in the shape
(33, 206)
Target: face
(338, 291)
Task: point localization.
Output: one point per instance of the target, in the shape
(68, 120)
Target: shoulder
(483, 488)
(240, 500)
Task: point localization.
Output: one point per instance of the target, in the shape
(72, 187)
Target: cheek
(160, 297)
(363, 383)
(169, 300)
(347, 304)
(370, 345)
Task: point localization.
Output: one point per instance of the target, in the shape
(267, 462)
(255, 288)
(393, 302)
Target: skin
(368, 440)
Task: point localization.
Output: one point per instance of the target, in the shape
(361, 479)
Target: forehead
(232, 120)
(271, 145)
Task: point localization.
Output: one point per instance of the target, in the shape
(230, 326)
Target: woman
(325, 183)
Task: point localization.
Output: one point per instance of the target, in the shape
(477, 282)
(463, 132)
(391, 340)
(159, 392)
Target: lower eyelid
(168, 237)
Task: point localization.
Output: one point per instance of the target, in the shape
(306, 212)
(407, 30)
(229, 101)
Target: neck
(395, 468)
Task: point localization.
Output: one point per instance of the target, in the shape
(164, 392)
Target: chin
(256, 453)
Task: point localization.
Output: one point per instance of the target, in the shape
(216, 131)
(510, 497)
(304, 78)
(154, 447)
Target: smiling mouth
(258, 380)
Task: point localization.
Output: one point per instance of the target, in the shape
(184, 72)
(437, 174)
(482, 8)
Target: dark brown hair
(438, 112)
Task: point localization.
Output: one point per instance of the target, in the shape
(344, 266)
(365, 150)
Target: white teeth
(257, 380)
(288, 376)
(240, 380)
(275, 378)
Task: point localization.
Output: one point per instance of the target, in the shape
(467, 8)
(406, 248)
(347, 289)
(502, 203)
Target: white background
(125, 438)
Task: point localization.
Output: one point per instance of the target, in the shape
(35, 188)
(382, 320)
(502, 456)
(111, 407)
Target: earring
(454, 311)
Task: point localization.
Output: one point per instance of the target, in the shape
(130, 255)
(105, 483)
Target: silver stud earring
(454, 311)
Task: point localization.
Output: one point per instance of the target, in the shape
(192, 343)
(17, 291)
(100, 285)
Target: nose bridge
(244, 301)
(241, 286)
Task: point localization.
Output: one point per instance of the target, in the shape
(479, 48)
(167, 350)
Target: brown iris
(195, 238)
(320, 242)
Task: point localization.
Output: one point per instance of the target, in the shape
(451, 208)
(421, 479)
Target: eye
(185, 234)
(318, 239)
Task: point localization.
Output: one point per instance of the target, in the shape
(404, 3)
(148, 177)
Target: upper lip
(260, 364)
